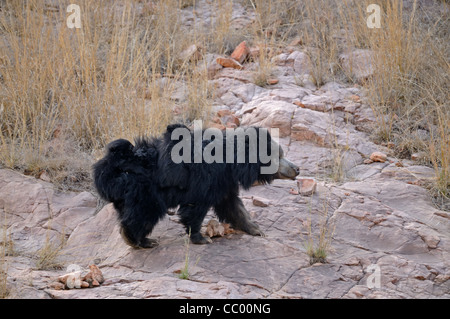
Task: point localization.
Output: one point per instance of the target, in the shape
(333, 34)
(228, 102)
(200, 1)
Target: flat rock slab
(376, 222)
(387, 240)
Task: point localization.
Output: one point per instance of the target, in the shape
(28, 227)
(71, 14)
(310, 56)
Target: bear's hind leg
(192, 217)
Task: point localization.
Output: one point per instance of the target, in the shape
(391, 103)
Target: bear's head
(286, 169)
(120, 148)
(278, 167)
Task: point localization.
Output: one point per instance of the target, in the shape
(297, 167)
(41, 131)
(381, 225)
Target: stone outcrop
(378, 222)
(379, 219)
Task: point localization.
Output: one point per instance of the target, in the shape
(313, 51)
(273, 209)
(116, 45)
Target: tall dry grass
(4, 240)
(409, 90)
(65, 93)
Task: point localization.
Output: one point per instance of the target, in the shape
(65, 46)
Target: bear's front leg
(232, 210)
(134, 242)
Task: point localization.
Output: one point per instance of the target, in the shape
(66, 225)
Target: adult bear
(155, 174)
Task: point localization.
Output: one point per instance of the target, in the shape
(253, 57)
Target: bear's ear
(119, 146)
(171, 127)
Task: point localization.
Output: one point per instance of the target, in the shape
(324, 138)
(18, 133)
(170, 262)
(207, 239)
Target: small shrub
(318, 245)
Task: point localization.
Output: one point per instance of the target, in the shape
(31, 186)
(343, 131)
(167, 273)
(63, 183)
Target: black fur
(143, 182)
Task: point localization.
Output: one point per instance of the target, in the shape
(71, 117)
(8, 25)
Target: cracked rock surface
(378, 215)
(376, 221)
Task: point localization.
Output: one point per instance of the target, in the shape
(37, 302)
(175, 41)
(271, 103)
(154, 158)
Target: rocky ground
(383, 224)
(378, 212)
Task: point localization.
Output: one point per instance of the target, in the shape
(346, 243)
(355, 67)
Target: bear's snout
(287, 169)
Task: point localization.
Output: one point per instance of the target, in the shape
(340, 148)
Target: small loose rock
(241, 52)
(229, 63)
(306, 186)
(260, 202)
(378, 157)
(216, 229)
(93, 278)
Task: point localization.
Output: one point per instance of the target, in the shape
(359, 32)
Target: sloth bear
(190, 169)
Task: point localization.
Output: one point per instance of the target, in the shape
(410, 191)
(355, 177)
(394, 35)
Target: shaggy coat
(143, 182)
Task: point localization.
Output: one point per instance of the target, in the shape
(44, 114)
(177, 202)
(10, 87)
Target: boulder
(191, 53)
(271, 114)
(241, 52)
(310, 126)
(379, 221)
(229, 63)
(358, 63)
(44, 214)
(302, 62)
(378, 157)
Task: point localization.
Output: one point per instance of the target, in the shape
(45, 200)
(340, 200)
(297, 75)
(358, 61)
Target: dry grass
(184, 273)
(5, 249)
(319, 236)
(66, 92)
(47, 256)
(410, 88)
(4, 290)
(265, 66)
